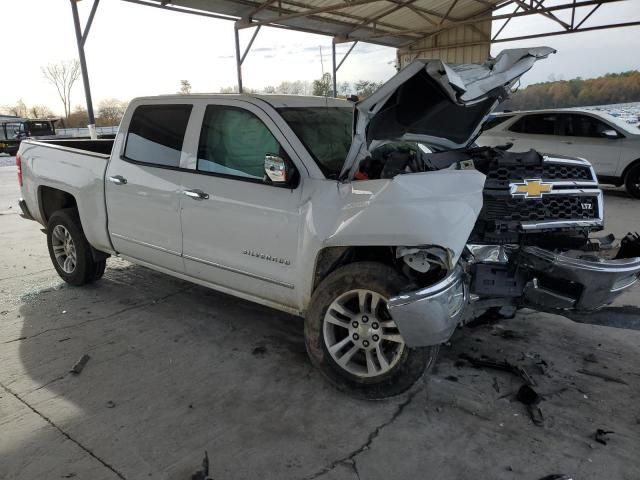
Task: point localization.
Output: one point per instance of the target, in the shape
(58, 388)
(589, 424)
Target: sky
(134, 50)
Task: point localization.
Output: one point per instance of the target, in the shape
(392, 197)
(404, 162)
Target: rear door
(143, 188)
(538, 131)
(582, 136)
(241, 233)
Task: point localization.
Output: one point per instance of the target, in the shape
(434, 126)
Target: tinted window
(584, 126)
(156, 134)
(325, 132)
(234, 142)
(543, 124)
(495, 121)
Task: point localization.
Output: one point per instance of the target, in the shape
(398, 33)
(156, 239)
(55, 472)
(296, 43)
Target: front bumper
(429, 316)
(590, 284)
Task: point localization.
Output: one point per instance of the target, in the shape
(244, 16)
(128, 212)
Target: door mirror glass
(276, 169)
(609, 134)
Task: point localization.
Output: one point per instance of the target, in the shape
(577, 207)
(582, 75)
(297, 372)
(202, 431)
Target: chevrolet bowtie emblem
(530, 188)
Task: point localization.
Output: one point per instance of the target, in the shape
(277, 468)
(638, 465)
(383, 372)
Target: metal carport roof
(457, 31)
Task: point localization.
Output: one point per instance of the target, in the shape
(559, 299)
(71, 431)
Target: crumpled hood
(438, 104)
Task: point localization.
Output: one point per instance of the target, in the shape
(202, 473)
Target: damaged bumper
(430, 315)
(567, 283)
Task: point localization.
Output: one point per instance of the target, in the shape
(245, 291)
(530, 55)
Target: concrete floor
(177, 369)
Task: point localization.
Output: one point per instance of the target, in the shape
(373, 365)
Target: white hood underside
(438, 104)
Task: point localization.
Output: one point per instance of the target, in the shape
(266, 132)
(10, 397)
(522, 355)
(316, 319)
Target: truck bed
(102, 147)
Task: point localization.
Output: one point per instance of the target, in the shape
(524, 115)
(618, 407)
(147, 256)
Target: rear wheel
(352, 338)
(632, 181)
(70, 251)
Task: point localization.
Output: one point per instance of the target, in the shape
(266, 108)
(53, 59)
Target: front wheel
(352, 338)
(632, 181)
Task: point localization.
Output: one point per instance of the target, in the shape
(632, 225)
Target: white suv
(612, 146)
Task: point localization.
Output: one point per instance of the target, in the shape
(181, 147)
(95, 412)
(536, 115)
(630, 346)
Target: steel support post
(83, 63)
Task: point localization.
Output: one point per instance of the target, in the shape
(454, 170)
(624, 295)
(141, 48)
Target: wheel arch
(631, 165)
(51, 199)
(329, 259)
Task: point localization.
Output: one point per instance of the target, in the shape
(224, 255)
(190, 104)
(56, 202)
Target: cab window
(156, 134)
(540, 124)
(233, 142)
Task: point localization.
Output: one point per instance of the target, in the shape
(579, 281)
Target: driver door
(239, 232)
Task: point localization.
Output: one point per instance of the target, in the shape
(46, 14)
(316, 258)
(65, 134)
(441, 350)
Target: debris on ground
(259, 350)
(451, 378)
(80, 364)
(504, 365)
(591, 358)
(204, 473)
(601, 436)
(530, 398)
(557, 476)
(111, 404)
(603, 376)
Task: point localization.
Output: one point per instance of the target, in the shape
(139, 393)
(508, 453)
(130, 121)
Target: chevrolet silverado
(380, 222)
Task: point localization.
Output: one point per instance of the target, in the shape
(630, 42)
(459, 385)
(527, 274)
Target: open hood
(438, 104)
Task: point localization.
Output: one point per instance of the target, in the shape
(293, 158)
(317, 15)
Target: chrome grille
(547, 172)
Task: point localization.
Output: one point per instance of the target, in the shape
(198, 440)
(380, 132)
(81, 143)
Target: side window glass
(234, 142)
(585, 126)
(537, 124)
(156, 134)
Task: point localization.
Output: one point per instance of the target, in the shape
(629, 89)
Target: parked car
(384, 245)
(611, 145)
(14, 130)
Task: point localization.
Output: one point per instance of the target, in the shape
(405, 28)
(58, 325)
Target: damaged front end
(532, 246)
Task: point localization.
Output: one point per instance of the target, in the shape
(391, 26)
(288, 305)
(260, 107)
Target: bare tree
(63, 75)
(185, 87)
(110, 112)
(40, 111)
(19, 109)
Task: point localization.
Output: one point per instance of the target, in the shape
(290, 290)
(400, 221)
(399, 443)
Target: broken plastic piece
(80, 364)
(601, 436)
(204, 473)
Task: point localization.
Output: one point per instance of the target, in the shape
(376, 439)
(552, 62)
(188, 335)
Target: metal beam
(485, 17)
(238, 59)
(87, 27)
(526, 37)
(253, 37)
(83, 68)
(334, 69)
(314, 11)
(346, 54)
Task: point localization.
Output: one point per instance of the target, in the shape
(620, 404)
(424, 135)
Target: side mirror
(609, 134)
(276, 169)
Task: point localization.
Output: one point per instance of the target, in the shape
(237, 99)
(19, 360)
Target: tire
(363, 373)
(70, 251)
(632, 181)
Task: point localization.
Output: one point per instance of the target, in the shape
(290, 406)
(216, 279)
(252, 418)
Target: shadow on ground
(177, 369)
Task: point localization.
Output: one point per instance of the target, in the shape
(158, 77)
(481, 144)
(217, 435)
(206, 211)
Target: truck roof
(276, 101)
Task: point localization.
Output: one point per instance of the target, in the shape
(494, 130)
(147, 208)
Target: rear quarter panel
(76, 172)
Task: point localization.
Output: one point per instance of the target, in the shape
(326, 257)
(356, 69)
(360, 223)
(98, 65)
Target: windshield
(325, 132)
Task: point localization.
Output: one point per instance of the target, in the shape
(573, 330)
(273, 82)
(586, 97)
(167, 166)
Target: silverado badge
(530, 188)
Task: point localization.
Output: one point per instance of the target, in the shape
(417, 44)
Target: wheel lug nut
(376, 338)
(365, 343)
(356, 336)
(375, 325)
(365, 319)
(354, 324)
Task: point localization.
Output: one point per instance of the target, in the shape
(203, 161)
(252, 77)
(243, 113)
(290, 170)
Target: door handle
(196, 194)
(118, 180)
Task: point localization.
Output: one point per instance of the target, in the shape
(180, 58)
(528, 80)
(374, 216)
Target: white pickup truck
(380, 222)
